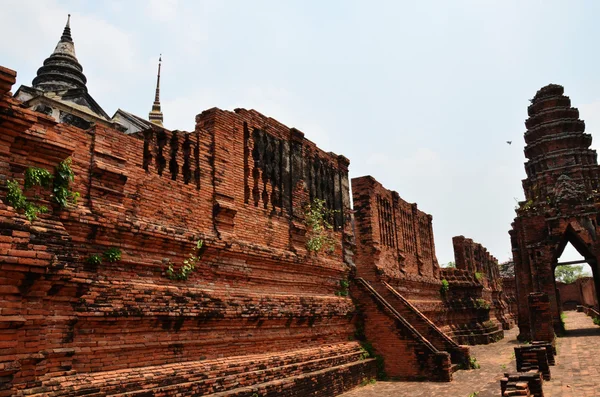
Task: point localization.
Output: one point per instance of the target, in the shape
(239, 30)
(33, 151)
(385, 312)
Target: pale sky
(422, 95)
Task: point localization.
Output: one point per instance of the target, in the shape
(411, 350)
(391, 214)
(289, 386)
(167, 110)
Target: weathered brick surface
(475, 259)
(579, 292)
(514, 381)
(407, 354)
(561, 203)
(239, 183)
(468, 316)
(396, 256)
(533, 358)
(396, 249)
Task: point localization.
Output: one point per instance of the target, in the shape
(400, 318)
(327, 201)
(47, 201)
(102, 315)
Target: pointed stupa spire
(61, 70)
(155, 116)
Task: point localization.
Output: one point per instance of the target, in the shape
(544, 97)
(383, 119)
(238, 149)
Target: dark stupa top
(61, 70)
(557, 147)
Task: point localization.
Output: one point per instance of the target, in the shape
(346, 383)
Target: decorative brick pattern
(256, 315)
(475, 259)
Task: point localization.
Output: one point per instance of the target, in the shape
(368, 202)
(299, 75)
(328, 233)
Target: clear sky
(422, 95)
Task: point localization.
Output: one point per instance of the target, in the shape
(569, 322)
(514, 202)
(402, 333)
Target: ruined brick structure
(476, 260)
(560, 202)
(580, 292)
(397, 270)
(258, 315)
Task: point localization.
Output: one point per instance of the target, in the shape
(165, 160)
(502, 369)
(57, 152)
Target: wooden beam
(590, 261)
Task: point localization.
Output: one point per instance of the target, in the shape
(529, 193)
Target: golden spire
(155, 116)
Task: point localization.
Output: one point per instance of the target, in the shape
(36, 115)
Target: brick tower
(561, 202)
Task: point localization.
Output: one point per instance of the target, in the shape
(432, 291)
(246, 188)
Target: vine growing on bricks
(34, 176)
(189, 265)
(319, 228)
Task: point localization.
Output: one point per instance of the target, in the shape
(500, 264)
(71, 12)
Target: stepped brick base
(328, 370)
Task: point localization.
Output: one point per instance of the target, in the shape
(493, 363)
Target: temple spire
(156, 115)
(61, 70)
(66, 36)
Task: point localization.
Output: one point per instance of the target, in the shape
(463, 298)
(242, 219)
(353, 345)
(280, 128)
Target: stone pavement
(577, 371)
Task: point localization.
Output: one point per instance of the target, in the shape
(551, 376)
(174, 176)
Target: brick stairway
(406, 353)
(458, 354)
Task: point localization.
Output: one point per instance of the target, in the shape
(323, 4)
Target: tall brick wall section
(395, 246)
(509, 290)
(569, 294)
(588, 292)
(239, 183)
(395, 236)
(475, 259)
(579, 292)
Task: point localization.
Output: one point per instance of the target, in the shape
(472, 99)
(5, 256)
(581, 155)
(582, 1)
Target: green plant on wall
(112, 255)
(37, 177)
(343, 291)
(481, 303)
(94, 259)
(64, 175)
(34, 176)
(479, 276)
(189, 265)
(319, 229)
(16, 199)
(445, 287)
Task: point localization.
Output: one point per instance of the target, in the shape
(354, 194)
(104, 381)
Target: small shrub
(596, 320)
(479, 276)
(371, 381)
(18, 201)
(189, 265)
(473, 364)
(319, 228)
(481, 303)
(37, 177)
(474, 394)
(62, 195)
(34, 176)
(112, 255)
(94, 259)
(445, 287)
(343, 291)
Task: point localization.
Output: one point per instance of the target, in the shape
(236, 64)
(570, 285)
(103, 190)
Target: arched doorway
(573, 262)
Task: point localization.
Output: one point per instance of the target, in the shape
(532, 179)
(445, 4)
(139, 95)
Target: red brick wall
(255, 290)
(397, 233)
(569, 294)
(475, 259)
(588, 292)
(580, 292)
(395, 244)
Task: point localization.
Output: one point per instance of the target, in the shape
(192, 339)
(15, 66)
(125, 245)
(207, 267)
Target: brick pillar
(540, 317)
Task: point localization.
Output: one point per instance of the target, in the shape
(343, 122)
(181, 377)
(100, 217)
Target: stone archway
(587, 254)
(562, 205)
